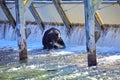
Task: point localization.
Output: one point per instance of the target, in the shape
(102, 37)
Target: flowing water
(109, 37)
(61, 64)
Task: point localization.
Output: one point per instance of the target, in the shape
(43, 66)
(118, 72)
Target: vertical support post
(20, 28)
(90, 7)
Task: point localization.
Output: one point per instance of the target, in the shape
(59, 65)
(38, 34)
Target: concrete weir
(109, 35)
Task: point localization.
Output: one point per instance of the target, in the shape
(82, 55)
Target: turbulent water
(108, 38)
(65, 64)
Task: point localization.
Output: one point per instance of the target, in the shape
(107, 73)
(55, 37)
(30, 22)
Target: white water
(108, 42)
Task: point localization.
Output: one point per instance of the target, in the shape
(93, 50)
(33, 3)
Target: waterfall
(7, 32)
(2, 31)
(108, 38)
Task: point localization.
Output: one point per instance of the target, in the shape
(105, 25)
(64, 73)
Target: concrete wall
(109, 13)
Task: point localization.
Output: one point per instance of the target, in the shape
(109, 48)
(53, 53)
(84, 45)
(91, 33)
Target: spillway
(109, 37)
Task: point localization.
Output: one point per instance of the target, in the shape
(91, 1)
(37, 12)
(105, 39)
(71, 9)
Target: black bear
(52, 39)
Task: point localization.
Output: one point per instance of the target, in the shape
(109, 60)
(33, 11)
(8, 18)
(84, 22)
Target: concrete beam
(36, 16)
(8, 13)
(27, 3)
(98, 23)
(62, 14)
(99, 19)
